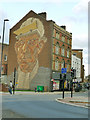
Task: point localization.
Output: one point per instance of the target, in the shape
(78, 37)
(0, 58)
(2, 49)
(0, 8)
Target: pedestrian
(35, 89)
(10, 87)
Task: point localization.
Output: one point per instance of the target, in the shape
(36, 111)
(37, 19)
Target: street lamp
(2, 46)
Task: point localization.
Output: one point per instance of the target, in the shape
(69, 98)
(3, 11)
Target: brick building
(4, 61)
(79, 54)
(4, 58)
(38, 49)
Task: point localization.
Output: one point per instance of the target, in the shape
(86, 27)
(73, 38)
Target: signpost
(63, 71)
(73, 75)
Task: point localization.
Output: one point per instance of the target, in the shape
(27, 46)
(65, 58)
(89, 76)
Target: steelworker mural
(30, 41)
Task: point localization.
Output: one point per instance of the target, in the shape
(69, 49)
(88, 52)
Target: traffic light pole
(71, 89)
(63, 87)
(72, 76)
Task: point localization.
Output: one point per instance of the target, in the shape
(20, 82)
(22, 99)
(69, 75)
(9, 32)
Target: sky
(72, 13)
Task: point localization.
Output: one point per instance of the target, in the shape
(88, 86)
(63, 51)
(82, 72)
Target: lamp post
(63, 80)
(2, 47)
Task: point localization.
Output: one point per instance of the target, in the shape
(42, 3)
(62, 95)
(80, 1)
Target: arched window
(68, 41)
(57, 35)
(63, 38)
(68, 52)
(57, 48)
(63, 51)
(57, 63)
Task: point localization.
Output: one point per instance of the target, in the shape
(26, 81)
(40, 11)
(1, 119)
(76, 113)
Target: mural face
(30, 41)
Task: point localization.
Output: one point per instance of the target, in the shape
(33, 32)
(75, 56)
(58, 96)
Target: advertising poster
(55, 85)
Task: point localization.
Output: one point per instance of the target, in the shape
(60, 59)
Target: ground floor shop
(58, 85)
(58, 81)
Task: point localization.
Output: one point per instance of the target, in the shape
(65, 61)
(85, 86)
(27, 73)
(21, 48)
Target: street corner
(74, 101)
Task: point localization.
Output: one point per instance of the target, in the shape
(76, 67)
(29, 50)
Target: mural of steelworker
(30, 41)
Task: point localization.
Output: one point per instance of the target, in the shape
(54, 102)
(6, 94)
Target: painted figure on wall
(30, 41)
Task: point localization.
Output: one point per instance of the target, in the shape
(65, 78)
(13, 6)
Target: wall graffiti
(30, 41)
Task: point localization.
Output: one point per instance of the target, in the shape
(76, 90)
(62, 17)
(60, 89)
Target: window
(63, 38)
(56, 64)
(68, 53)
(68, 41)
(62, 51)
(5, 57)
(57, 48)
(57, 35)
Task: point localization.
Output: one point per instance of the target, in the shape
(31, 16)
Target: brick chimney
(63, 26)
(43, 14)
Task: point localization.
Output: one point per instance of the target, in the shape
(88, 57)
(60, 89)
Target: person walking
(10, 87)
(35, 89)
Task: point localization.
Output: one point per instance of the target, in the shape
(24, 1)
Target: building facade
(79, 54)
(4, 61)
(76, 64)
(61, 56)
(38, 48)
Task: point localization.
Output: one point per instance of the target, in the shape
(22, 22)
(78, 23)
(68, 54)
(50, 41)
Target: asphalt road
(39, 106)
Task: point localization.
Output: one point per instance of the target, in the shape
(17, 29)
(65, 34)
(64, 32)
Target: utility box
(40, 88)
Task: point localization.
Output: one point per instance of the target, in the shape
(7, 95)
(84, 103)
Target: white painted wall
(76, 64)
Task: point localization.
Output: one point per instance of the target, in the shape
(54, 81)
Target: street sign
(63, 70)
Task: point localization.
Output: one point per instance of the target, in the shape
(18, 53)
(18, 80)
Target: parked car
(78, 87)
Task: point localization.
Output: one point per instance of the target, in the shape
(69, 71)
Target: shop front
(58, 82)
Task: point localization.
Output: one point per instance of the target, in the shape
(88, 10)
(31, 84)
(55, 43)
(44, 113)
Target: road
(39, 106)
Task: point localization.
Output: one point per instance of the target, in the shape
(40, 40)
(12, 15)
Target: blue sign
(63, 70)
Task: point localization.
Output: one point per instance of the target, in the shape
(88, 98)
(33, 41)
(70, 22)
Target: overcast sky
(72, 13)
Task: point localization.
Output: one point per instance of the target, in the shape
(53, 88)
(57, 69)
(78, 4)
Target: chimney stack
(43, 14)
(63, 26)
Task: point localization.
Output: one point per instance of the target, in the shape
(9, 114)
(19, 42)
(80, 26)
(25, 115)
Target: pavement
(76, 101)
(81, 101)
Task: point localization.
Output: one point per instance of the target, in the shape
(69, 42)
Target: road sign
(63, 70)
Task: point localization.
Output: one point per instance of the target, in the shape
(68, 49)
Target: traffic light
(73, 73)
